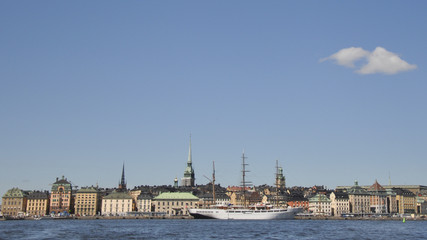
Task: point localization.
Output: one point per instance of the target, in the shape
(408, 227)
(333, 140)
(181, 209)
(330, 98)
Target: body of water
(212, 229)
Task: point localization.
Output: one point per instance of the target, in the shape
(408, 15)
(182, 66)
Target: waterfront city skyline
(335, 91)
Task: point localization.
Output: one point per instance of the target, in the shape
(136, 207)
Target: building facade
(406, 201)
(14, 203)
(38, 203)
(87, 202)
(378, 199)
(320, 204)
(144, 202)
(339, 203)
(61, 196)
(359, 200)
(117, 203)
(175, 203)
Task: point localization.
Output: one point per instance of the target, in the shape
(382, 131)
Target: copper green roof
(88, 190)
(319, 198)
(357, 190)
(15, 192)
(176, 196)
(118, 195)
(61, 182)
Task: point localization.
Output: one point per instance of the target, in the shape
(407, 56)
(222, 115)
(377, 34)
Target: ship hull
(244, 214)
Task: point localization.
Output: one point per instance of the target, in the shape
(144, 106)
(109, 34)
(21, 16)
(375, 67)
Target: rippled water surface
(212, 229)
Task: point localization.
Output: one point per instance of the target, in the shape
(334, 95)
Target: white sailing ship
(256, 212)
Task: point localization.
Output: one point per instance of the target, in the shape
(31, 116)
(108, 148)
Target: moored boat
(257, 212)
(245, 213)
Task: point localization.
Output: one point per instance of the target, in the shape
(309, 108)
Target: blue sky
(334, 90)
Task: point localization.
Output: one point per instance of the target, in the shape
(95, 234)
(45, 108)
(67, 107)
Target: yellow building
(87, 202)
(14, 203)
(38, 203)
(406, 201)
(175, 203)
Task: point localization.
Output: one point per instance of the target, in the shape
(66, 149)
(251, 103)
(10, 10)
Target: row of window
(173, 203)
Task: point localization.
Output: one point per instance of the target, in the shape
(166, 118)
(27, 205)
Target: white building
(320, 205)
(117, 204)
(339, 203)
(143, 202)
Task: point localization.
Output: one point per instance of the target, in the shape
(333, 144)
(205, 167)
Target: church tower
(188, 179)
(122, 184)
(280, 178)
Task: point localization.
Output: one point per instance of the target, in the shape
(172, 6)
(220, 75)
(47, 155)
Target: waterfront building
(175, 203)
(188, 179)
(61, 196)
(421, 205)
(359, 200)
(144, 202)
(14, 202)
(378, 199)
(391, 201)
(87, 201)
(416, 189)
(339, 203)
(38, 203)
(118, 202)
(320, 204)
(406, 201)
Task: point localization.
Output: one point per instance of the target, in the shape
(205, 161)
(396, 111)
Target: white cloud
(347, 56)
(383, 61)
(378, 61)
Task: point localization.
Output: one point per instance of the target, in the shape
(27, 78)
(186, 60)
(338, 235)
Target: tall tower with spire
(188, 179)
(122, 184)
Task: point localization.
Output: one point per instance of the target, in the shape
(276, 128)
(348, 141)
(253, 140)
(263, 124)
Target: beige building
(38, 203)
(61, 196)
(144, 202)
(391, 201)
(320, 204)
(14, 203)
(117, 203)
(378, 199)
(359, 200)
(175, 203)
(339, 203)
(87, 202)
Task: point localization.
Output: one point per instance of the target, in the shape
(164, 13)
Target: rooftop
(176, 196)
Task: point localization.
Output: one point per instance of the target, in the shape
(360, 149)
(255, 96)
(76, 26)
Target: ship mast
(244, 171)
(277, 183)
(213, 183)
